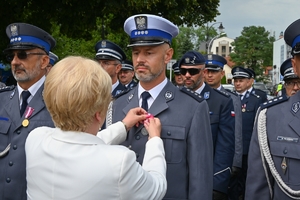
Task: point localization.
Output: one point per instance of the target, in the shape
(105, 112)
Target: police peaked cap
(253, 75)
(147, 30)
(175, 68)
(192, 58)
(240, 72)
(127, 65)
(292, 36)
(107, 50)
(286, 70)
(214, 62)
(53, 58)
(26, 36)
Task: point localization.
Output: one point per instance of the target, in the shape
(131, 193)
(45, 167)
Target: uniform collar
(33, 89)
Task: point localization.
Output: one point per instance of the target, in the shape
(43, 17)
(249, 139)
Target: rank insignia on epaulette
(274, 102)
(191, 93)
(222, 92)
(122, 92)
(7, 88)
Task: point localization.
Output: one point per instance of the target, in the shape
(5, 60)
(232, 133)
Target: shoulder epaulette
(230, 92)
(253, 94)
(222, 92)
(191, 93)
(274, 101)
(7, 88)
(122, 92)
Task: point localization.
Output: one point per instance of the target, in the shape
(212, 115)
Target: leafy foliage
(253, 49)
(81, 20)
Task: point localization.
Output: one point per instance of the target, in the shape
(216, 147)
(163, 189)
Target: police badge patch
(141, 22)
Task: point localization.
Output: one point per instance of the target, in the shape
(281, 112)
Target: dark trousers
(237, 185)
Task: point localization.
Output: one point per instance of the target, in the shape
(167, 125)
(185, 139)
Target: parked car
(261, 86)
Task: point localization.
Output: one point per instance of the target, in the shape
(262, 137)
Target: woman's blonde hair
(75, 89)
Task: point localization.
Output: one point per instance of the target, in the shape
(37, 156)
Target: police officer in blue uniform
(274, 149)
(262, 94)
(291, 80)
(214, 65)
(53, 59)
(250, 104)
(110, 56)
(184, 115)
(222, 120)
(22, 107)
(126, 74)
(178, 80)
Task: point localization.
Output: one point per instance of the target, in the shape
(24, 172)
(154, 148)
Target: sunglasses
(192, 71)
(22, 55)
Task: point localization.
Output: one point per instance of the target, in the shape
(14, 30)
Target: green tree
(79, 19)
(185, 40)
(254, 49)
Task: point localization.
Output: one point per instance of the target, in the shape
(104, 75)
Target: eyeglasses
(192, 71)
(22, 55)
(107, 63)
(292, 84)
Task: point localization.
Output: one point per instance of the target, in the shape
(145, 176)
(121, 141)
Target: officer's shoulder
(231, 92)
(191, 93)
(254, 95)
(7, 88)
(123, 92)
(224, 93)
(261, 91)
(275, 101)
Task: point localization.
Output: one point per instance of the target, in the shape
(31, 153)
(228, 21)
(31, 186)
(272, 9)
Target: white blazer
(77, 165)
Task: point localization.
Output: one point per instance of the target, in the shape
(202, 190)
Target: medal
(283, 165)
(244, 108)
(25, 122)
(28, 113)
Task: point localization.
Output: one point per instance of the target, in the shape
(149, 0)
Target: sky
(274, 15)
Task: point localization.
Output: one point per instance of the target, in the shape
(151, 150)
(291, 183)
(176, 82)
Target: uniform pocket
(4, 137)
(291, 152)
(174, 143)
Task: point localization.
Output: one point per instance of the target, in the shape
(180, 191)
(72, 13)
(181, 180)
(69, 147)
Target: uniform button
(137, 155)
(10, 163)
(15, 147)
(137, 137)
(129, 147)
(285, 151)
(18, 132)
(8, 180)
(169, 133)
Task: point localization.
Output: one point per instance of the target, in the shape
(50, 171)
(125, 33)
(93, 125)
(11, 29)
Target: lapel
(37, 103)
(13, 107)
(159, 105)
(294, 108)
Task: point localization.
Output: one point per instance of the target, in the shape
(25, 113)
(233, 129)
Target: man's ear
(168, 55)
(44, 61)
(118, 68)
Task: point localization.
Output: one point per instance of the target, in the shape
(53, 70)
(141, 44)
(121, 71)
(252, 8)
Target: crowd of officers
(219, 144)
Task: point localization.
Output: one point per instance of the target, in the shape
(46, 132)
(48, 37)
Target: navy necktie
(241, 96)
(25, 96)
(145, 97)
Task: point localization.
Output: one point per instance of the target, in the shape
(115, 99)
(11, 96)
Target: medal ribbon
(28, 112)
